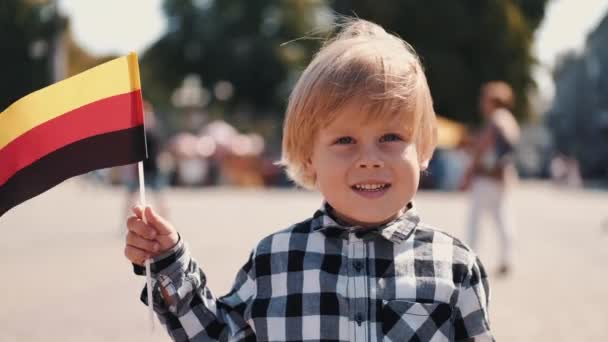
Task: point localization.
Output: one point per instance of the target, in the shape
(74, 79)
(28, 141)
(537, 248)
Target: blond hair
(365, 65)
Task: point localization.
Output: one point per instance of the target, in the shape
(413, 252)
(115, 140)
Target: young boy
(359, 128)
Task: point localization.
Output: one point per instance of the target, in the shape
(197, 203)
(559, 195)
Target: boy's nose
(370, 162)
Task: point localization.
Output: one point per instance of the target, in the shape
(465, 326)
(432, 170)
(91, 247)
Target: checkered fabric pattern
(323, 280)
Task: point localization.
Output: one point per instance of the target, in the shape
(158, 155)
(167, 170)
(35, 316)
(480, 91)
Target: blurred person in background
(154, 178)
(492, 171)
(564, 170)
(190, 165)
(243, 166)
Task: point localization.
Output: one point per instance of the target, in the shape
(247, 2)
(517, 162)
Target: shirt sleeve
(472, 318)
(188, 309)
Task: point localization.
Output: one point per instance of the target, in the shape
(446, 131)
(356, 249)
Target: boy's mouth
(371, 187)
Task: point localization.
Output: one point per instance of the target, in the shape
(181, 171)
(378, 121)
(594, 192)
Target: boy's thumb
(160, 224)
(138, 210)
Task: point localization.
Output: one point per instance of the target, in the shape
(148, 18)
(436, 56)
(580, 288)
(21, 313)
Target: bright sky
(115, 26)
(566, 25)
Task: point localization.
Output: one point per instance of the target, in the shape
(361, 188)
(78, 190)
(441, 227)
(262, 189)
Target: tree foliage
(235, 41)
(27, 35)
(462, 44)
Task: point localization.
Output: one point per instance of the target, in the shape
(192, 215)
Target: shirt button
(358, 265)
(359, 318)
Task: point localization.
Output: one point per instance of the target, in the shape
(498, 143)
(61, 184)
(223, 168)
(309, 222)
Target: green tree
(533, 11)
(28, 32)
(236, 41)
(462, 44)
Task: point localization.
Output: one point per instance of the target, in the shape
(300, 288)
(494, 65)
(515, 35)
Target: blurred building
(578, 118)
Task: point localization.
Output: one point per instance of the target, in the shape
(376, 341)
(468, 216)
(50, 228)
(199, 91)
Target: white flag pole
(142, 200)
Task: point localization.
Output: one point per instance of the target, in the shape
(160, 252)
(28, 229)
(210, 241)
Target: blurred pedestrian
(564, 170)
(492, 169)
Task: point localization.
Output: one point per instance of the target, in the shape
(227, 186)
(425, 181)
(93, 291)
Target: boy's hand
(148, 240)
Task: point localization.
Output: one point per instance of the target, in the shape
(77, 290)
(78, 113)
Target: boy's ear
(309, 169)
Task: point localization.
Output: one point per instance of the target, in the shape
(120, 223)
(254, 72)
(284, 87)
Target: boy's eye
(344, 141)
(390, 137)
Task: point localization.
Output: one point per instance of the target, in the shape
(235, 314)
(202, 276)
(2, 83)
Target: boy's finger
(146, 245)
(162, 226)
(137, 226)
(138, 210)
(135, 255)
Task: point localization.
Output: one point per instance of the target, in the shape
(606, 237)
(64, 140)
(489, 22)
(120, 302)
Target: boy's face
(366, 171)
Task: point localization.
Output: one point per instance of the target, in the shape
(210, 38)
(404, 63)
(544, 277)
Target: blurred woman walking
(492, 171)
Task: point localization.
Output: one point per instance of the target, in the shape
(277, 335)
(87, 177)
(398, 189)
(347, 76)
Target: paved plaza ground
(64, 277)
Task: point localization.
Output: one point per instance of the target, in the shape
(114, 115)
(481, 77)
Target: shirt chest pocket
(404, 320)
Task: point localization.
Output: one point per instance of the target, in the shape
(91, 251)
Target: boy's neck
(348, 222)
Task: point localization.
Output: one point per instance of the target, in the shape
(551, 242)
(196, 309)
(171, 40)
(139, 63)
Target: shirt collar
(396, 231)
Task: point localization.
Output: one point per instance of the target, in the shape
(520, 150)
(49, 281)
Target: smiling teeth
(370, 187)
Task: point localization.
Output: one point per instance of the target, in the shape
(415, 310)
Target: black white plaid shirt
(319, 280)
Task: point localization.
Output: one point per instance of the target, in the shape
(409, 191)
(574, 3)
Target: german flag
(90, 121)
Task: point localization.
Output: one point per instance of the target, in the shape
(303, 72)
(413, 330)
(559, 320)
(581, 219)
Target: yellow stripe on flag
(118, 76)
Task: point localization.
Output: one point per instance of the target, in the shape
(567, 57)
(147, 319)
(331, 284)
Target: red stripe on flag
(107, 115)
